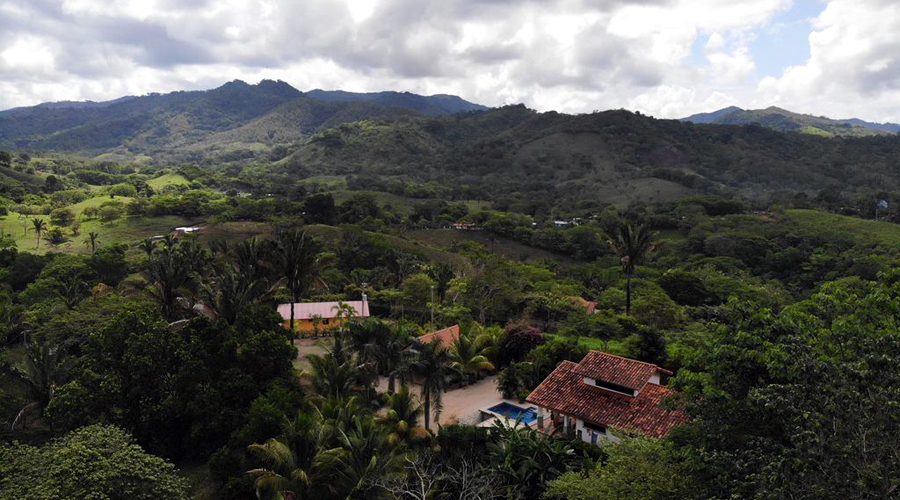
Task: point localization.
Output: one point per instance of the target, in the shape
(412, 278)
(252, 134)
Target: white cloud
(569, 55)
(854, 64)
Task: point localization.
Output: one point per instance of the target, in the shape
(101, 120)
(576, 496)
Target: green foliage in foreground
(96, 462)
(636, 468)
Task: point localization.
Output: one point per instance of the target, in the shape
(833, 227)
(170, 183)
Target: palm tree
(431, 365)
(330, 378)
(148, 245)
(394, 359)
(402, 418)
(250, 259)
(43, 371)
(488, 340)
(293, 462)
(39, 227)
(297, 257)
(468, 358)
(632, 244)
(366, 456)
(442, 274)
(343, 312)
(228, 291)
(170, 273)
(92, 241)
(72, 288)
(366, 340)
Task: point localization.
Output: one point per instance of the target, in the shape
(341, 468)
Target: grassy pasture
(863, 231)
(168, 180)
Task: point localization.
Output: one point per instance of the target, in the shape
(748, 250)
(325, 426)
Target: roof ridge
(626, 359)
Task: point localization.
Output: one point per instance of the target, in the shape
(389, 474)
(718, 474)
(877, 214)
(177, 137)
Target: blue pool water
(512, 411)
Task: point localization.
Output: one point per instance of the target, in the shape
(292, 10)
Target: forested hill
(788, 121)
(616, 156)
(433, 105)
(268, 112)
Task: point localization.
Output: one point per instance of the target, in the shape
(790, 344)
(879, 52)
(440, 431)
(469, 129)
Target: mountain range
(788, 121)
(236, 113)
(278, 132)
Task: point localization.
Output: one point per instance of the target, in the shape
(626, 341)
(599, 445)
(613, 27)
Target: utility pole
(432, 306)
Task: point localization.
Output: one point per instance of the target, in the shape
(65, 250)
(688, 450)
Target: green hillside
(788, 121)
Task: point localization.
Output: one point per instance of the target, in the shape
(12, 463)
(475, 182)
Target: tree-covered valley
(147, 242)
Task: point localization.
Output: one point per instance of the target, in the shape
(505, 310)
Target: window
(325, 321)
(614, 387)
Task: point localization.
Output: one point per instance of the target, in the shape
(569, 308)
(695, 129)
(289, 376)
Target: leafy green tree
(636, 468)
(181, 392)
(110, 213)
(55, 236)
(794, 404)
(62, 216)
(92, 462)
(632, 244)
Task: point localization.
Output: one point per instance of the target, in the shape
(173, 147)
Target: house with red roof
(447, 337)
(604, 392)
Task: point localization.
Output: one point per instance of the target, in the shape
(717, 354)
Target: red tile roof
(626, 372)
(447, 336)
(565, 391)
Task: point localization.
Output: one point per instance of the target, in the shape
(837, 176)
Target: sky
(666, 58)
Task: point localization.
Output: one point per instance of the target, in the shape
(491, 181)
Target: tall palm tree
(632, 244)
(170, 273)
(92, 241)
(297, 258)
(442, 274)
(402, 418)
(227, 291)
(431, 365)
(250, 259)
(367, 340)
(468, 358)
(39, 227)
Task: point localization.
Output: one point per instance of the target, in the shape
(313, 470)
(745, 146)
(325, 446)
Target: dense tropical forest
(140, 361)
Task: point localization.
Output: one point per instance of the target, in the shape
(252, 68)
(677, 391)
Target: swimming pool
(512, 411)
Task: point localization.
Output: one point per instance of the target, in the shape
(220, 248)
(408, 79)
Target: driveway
(461, 405)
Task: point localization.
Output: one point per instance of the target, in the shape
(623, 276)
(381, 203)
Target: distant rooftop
(325, 310)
